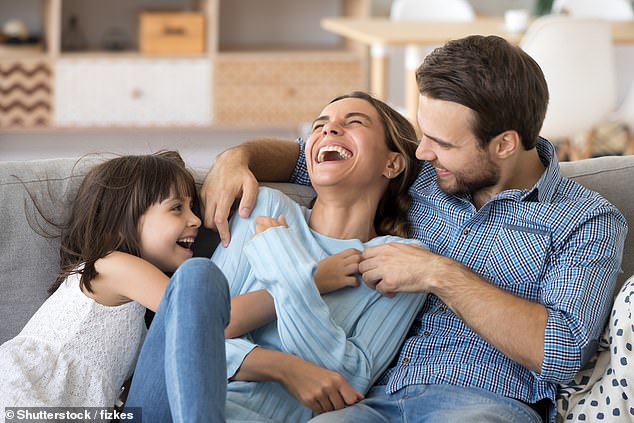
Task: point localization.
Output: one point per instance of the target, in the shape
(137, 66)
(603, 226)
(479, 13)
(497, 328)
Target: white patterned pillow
(603, 390)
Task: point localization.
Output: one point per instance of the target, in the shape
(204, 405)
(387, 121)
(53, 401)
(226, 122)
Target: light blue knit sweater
(354, 331)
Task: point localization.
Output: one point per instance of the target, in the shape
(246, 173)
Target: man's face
(449, 145)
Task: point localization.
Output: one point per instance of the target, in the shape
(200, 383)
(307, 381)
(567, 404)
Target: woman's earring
(389, 174)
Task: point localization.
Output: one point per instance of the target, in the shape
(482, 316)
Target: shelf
(264, 64)
(286, 54)
(88, 55)
(19, 52)
(287, 22)
(97, 19)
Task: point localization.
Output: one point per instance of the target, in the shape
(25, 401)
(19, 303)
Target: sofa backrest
(29, 257)
(613, 178)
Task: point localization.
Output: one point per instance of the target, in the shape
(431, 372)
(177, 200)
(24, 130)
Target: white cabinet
(132, 92)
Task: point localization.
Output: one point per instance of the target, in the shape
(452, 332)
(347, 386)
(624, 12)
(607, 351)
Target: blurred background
(136, 76)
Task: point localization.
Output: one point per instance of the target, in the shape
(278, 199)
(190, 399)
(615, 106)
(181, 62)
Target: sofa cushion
(30, 252)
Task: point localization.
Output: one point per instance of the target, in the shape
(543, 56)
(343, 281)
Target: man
(523, 262)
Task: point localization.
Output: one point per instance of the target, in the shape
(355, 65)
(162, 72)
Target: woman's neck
(344, 217)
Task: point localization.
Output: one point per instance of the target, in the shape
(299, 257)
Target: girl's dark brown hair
(400, 137)
(106, 211)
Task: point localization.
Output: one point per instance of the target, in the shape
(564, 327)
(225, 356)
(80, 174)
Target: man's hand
(494, 314)
(317, 388)
(228, 179)
(262, 223)
(396, 267)
(236, 172)
(337, 271)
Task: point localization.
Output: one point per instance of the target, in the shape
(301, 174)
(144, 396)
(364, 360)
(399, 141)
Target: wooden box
(172, 33)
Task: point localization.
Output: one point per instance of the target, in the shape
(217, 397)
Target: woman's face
(347, 144)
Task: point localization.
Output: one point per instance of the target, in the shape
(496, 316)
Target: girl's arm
(250, 311)
(123, 277)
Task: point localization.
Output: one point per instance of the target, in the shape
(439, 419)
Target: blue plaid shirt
(558, 244)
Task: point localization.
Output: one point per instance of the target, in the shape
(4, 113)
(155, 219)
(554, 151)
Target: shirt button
(426, 333)
(466, 231)
(405, 361)
(442, 309)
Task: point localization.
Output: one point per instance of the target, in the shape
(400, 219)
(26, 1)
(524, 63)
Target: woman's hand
(313, 386)
(338, 271)
(317, 388)
(262, 223)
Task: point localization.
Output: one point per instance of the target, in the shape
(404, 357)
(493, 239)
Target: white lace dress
(74, 352)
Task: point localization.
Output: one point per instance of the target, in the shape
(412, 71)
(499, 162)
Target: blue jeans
(432, 404)
(181, 373)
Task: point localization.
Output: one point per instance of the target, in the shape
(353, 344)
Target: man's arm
(497, 316)
(554, 337)
(236, 173)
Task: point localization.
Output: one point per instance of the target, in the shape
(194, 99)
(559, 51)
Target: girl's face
(347, 140)
(167, 231)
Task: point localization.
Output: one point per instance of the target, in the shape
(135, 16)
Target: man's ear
(394, 165)
(506, 144)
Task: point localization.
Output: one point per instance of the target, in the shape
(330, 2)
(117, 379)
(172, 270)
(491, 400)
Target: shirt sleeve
(236, 349)
(236, 268)
(304, 323)
(300, 173)
(578, 291)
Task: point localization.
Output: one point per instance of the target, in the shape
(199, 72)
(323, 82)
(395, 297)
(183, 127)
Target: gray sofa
(29, 255)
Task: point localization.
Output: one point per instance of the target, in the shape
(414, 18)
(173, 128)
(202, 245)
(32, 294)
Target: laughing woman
(300, 343)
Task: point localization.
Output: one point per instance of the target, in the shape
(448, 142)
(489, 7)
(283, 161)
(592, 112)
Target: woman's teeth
(340, 153)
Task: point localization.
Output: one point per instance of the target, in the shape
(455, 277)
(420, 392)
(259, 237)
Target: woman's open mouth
(330, 153)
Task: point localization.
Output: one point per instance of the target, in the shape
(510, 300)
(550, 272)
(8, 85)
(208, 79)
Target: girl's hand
(337, 271)
(262, 223)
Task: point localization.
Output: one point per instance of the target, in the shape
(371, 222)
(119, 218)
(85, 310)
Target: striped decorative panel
(278, 90)
(25, 93)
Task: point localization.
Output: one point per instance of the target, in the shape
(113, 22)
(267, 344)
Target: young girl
(311, 346)
(131, 222)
